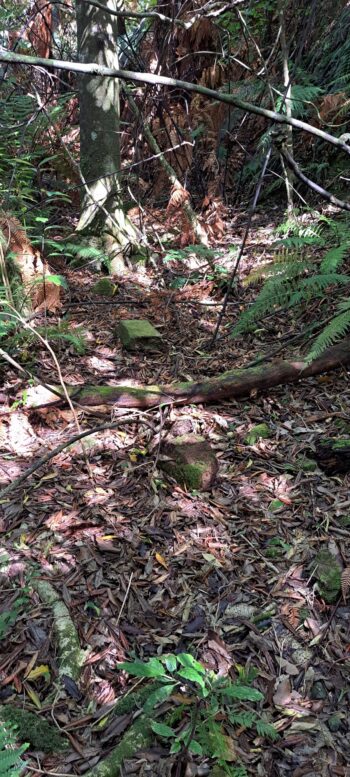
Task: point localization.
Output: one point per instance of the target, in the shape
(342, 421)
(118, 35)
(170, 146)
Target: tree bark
(101, 207)
(235, 384)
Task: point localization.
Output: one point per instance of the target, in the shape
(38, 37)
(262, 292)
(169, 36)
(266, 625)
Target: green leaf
(186, 659)
(242, 692)
(163, 730)
(57, 280)
(158, 696)
(170, 662)
(153, 668)
(175, 747)
(195, 748)
(195, 677)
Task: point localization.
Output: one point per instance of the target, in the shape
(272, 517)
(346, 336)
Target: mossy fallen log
(71, 657)
(137, 737)
(235, 384)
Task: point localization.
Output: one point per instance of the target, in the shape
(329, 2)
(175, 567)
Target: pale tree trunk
(101, 208)
(289, 178)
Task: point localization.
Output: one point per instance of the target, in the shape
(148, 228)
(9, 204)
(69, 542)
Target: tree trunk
(101, 207)
(289, 178)
(235, 384)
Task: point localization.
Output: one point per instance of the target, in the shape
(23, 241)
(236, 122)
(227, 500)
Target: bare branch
(10, 57)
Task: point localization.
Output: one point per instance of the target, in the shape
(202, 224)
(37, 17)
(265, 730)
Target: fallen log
(235, 384)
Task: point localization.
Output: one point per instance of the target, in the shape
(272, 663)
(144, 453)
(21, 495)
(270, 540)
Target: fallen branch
(11, 58)
(137, 737)
(235, 384)
(71, 657)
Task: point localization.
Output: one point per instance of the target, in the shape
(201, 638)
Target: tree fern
(11, 764)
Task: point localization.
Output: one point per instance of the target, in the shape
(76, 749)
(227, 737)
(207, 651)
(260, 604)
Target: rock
(104, 287)
(139, 334)
(190, 460)
(328, 575)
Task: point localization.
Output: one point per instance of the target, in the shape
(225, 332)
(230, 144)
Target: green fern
(334, 258)
(266, 729)
(11, 764)
(334, 331)
(313, 287)
(245, 718)
(293, 277)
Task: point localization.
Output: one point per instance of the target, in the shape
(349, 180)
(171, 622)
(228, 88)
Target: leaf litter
(145, 567)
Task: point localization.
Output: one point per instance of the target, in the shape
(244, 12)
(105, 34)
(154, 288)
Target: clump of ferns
(294, 277)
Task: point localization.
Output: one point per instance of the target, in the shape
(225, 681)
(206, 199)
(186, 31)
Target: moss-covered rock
(138, 333)
(328, 575)
(190, 460)
(261, 431)
(33, 729)
(104, 287)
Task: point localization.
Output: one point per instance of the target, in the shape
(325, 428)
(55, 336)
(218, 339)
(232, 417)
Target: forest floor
(145, 566)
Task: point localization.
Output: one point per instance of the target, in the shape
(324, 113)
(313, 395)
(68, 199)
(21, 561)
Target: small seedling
(206, 708)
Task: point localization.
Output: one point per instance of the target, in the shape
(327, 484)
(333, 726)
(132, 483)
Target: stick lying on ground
(234, 384)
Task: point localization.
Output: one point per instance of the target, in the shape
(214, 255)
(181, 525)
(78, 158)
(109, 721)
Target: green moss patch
(328, 576)
(261, 431)
(33, 729)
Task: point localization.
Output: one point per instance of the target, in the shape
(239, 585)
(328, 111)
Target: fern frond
(333, 259)
(11, 764)
(283, 266)
(265, 729)
(334, 331)
(296, 242)
(277, 292)
(315, 285)
(246, 719)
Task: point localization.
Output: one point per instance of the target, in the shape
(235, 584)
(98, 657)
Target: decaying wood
(234, 384)
(39, 294)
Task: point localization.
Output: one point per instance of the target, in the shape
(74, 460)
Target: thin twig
(125, 598)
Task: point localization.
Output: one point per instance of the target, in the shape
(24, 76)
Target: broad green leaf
(186, 659)
(153, 668)
(194, 677)
(170, 662)
(57, 280)
(242, 692)
(175, 747)
(195, 748)
(158, 696)
(162, 729)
